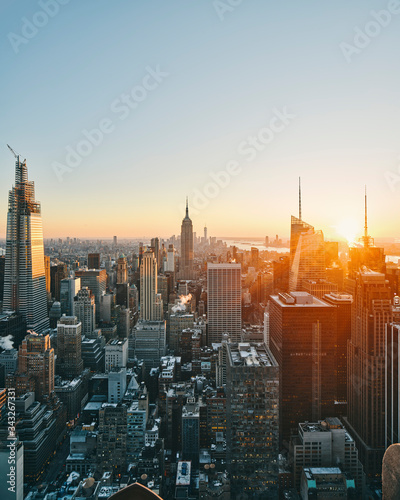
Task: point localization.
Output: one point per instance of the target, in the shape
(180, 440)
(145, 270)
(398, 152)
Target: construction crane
(14, 153)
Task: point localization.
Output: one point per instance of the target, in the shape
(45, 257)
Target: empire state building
(24, 278)
(186, 262)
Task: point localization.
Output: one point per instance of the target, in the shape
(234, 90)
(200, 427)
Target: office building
(35, 364)
(326, 482)
(116, 385)
(343, 303)
(69, 288)
(318, 288)
(93, 351)
(392, 384)
(151, 308)
(9, 359)
(122, 270)
(178, 321)
(111, 441)
(69, 354)
(308, 261)
(371, 311)
(252, 419)
(302, 339)
(326, 443)
(170, 264)
(116, 354)
(24, 275)
(224, 295)
(2, 271)
(58, 272)
(93, 261)
(147, 342)
(84, 310)
(96, 281)
(191, 432)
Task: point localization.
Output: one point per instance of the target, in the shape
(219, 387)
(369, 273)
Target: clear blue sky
(225, 79)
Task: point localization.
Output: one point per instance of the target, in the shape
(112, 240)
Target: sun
(348, 229)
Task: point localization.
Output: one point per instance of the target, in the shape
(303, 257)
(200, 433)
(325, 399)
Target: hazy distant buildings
(24, 275)
(170, 264)
(224, 292)
(96, 281)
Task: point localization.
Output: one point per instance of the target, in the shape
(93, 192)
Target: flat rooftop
(250, 354)
(298, 300)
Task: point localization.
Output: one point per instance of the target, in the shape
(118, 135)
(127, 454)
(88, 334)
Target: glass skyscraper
(24, 277)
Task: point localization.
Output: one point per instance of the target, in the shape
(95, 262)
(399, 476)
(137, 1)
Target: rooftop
(250, 354)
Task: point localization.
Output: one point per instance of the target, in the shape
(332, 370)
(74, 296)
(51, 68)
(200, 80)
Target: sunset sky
(214, 79)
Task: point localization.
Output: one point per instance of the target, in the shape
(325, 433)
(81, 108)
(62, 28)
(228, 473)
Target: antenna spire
(187, 207)
(365, 219)
(300, 198)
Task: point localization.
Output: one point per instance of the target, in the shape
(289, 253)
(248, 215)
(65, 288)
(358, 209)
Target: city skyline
(348, 230)
(337, 111)
(199, 250)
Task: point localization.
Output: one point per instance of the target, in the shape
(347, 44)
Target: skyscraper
(224, 301)
(24, 277)
(302, 339)
(372, 310)
(252, 419)
(308, 259)
(186, 262)
(150, 300)
(122, 270)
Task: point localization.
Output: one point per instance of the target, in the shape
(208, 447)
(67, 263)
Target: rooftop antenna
(300, 198)
(366, 242)
(187, 207)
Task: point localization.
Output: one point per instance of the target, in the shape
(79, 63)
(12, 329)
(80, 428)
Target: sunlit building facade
(224, 288)
(24, 276)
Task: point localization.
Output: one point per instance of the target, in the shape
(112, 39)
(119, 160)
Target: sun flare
(348, 229)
